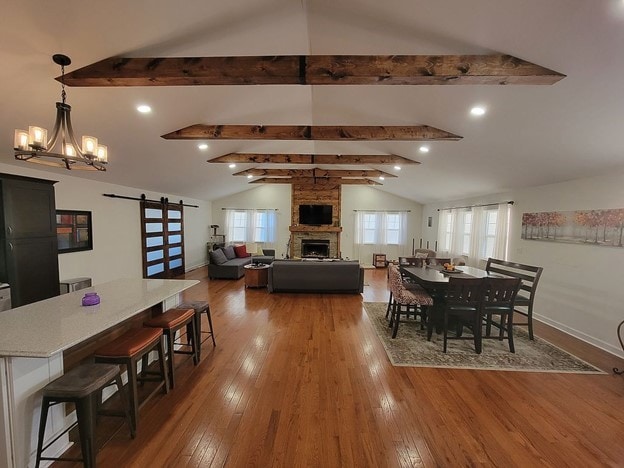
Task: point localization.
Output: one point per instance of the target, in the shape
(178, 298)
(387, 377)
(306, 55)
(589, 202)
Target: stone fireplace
(314, 248)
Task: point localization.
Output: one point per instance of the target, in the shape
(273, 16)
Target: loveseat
(337, 276)
(229, 262)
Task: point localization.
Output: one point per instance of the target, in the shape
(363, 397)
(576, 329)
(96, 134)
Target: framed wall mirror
(73, 231)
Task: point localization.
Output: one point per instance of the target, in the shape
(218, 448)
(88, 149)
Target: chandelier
(34, 146)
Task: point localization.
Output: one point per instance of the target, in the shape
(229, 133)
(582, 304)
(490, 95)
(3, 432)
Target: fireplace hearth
(314, 248)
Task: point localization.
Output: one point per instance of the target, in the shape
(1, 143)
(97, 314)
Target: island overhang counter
(32, 341)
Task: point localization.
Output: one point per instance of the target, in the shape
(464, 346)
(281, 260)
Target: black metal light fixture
(34, 146)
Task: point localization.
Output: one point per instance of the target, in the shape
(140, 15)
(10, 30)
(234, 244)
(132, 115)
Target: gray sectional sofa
(337, 276)
(225, 265)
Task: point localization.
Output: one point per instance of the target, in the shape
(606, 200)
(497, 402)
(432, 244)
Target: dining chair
(405, 301)
(497, 300)
(462, 309)
(438, 261)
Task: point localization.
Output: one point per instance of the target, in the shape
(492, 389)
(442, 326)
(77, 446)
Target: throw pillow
(421, 255)
(229, 252)
(218, 257)
(241, 251)
(260, 252)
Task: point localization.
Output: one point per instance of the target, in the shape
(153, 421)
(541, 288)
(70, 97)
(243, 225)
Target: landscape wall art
(591, 227)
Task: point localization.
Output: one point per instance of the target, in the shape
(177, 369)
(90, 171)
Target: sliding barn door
(162, 237)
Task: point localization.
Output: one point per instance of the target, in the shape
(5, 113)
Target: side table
(256, 276)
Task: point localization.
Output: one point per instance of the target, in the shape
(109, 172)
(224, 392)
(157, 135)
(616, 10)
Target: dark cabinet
(28, 243)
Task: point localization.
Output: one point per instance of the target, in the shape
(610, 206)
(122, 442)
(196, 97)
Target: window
(478, 233)
(381, 228)
(162, 237)
(370, 228)
(242, 225)
(491, 218)
(467, 233)
(393, 228)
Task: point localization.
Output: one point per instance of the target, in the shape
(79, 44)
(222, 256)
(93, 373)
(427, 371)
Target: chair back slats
(464, 292)
(500, 292)
(529, 274)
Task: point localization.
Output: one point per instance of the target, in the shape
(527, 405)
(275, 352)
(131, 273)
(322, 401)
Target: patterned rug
(411, 348)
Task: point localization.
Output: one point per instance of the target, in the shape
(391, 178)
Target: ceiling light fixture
(144, 109)
(423, 149)
(477, 110)
(232, 166)
(203, 146)
(382, 177)
(249, 176)
(34, 146)
(397, 168)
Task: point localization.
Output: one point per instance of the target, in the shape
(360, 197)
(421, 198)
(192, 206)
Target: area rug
(411, 348)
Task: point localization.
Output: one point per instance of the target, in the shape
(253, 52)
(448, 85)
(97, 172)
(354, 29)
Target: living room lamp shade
(34, 146)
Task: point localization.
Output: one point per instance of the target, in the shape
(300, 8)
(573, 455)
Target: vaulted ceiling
(530, 134)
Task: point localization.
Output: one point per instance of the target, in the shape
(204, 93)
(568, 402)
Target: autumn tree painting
(594, 227)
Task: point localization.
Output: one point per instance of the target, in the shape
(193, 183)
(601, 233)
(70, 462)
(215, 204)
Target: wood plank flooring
(302, 380)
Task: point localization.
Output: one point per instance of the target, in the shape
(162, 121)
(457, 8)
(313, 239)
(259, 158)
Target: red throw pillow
(241, 251)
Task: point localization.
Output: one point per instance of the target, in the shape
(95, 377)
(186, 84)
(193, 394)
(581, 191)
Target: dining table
(435, 280)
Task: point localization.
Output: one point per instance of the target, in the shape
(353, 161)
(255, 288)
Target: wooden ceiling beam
(343, 159)
(316, 172)
(495, 69)
(324, 181)
(311, 132)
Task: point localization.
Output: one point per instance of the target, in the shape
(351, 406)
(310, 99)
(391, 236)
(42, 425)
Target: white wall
(581, 287)
(116, 226)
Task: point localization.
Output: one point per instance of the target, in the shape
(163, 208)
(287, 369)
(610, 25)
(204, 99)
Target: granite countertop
(47, 327)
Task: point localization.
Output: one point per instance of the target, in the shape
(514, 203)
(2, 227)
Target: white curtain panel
(501, 245)
(381, 240)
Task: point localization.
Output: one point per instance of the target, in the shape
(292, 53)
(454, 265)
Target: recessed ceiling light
(477, 110)
(249, 176)
(144, 109)
(203, 146)
(232, 166)
(397, 168)
(382, 177)
(423, 149)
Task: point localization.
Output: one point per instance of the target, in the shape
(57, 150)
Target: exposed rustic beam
(314, 181)
(344, 159)
(496, 69)
(316, 172)
(310, 132)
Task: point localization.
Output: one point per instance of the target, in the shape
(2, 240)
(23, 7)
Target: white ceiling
(531, 135)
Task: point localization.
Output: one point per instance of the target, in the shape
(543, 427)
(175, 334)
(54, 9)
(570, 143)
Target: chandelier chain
(63, 93)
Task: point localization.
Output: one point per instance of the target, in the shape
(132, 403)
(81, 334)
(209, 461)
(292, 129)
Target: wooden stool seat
(81, 386)
(130, 343)
(169, 323)
(130, 348)
(200, 307)
(81, 381)
(171, 318)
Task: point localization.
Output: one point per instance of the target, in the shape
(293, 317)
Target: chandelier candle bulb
(89, 145)
(21, 140)
(69, 150)
(37, 137)
(102, 154)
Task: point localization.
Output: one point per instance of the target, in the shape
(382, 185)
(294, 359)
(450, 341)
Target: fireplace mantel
(306, 228)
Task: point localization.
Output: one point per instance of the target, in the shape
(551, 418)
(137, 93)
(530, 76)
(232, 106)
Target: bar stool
(128, 349)
(200, 307)
(170, 322)
(81, 386)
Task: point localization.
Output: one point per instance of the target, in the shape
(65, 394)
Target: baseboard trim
(607, 347)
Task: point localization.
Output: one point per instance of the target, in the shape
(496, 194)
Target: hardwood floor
(302, 380)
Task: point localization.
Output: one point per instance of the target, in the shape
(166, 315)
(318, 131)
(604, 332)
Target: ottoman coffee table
(256, 275)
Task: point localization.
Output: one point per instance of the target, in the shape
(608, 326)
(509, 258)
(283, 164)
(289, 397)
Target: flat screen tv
(315, 215)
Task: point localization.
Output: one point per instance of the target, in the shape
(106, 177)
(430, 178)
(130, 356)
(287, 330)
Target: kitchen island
(33, 339)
